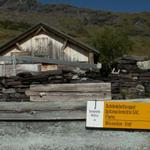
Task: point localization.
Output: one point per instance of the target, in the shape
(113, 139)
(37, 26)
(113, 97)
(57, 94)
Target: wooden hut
(47, 42)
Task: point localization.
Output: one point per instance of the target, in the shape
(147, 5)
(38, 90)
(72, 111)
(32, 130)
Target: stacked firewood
(13, 88)
(129, 81)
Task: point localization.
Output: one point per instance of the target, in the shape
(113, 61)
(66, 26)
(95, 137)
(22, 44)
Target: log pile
(13, 88)
(131, 82)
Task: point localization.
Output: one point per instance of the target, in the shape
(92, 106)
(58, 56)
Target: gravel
(68, 136)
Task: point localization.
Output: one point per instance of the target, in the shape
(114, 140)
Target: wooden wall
(52, 47)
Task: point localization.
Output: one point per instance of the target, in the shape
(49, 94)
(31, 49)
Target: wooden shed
(44, 41)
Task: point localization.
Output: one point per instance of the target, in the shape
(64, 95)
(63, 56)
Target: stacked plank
(131, 82)
(70, 92)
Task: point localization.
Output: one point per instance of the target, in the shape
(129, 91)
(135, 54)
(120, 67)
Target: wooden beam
(42, 111)
(19, 47)
(79, 87)
(41, 106)
(91, 58)
(70, 92)
(29, 59)
(52, 111)
(71, 97)
(44, 115)
(38, 31)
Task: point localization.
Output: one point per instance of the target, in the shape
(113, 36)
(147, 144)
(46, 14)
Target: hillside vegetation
(17, 16)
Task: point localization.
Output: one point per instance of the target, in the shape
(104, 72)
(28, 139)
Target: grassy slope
(6, 34)
(141, 46)
(76, 28)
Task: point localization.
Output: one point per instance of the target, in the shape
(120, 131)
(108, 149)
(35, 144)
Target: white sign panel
(95, 110)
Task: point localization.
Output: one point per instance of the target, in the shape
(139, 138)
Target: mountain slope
(18, 15)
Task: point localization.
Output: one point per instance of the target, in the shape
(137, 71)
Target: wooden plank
(31, 60)
(9, 68)
(42, 94)
(88, 97)
(28, 67)
(53, 105)
(41, 106)
(42, 111)
(79, 87)
(52, 111)
(44, 115)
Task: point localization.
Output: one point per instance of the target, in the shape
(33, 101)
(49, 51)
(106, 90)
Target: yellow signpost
(123, 115)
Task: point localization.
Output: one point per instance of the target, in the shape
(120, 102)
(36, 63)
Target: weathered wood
(91, 57)
(19, 47)
(47, 110)
(43, 111)
(28, 67)
(79, 87)
(44, 115)
(21, 53)
(70, 92)
(72, 97)
(9, 68)
(29, 59)
(36, 93)
(42, 106)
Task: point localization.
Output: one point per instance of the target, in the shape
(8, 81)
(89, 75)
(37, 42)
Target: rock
(99, 65)
(135, 78)
(8, 91)
(140, 88)
(75, 77)
(124, 71)
(143, 65)
(78, 71)
(84, 79)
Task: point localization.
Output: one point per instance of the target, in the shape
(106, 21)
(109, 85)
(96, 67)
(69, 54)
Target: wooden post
(14, 65)
(91, 58)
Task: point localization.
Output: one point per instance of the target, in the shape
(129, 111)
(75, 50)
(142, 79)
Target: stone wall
(130, 81)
